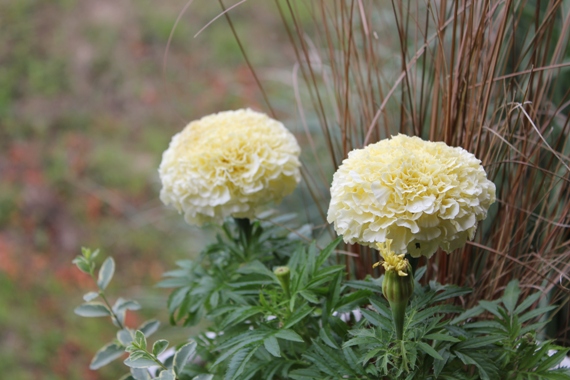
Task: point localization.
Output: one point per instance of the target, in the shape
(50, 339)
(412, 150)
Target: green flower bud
(398, 284)
(283, 275)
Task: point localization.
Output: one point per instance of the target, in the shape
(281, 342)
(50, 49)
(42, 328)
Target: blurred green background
(89, 99)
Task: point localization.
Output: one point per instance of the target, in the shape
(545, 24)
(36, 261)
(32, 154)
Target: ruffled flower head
(231, 163)
(421, 194)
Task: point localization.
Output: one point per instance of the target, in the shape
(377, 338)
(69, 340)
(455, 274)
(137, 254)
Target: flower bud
(398, 284)
(283, 275)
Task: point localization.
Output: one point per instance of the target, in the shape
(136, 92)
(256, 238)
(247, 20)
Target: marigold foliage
(421, 194)
(232, 163)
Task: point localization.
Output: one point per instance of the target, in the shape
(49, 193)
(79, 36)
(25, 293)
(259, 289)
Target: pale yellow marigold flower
(421, 194)
(391, 261)
(232, 163)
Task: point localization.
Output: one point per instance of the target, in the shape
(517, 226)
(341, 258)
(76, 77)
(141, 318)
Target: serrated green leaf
(231, 346)
(492, 307)
(527, 302)
(92, 309)
(552, 361)
(289, 335)
(450, 291)
(479, 342)
(297, 316)
(149, 327)
(139, 362)
(90, 296)
(106, 273)
(182, 355)
(471, 313)
(325, 253)
(486, 369)
(429, 350)
(326, 336)
(310, 373)
(511, 296)
(159, 346)
(106, 355)
(535, 313)
(364, 285)
(238, 362)
(309, 296)
(442, 337)
(272, 346)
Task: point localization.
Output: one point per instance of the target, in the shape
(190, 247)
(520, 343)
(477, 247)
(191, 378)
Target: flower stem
(398, 314)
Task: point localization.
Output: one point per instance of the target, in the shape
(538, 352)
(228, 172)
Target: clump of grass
(491, 77)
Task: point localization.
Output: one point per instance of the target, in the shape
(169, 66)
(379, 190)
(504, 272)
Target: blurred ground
(85, 113)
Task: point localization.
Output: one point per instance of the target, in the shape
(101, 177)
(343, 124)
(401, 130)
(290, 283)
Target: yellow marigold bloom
(392, 261)
(232, 163)
(421, 194)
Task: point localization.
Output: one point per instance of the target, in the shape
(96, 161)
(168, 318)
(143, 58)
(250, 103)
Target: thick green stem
(398, 290)
(398, 314)
(245, 231)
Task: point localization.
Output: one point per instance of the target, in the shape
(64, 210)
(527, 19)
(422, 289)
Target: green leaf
(238, 362)
(106, 355)
(479, 342)
(90, 296)
(149, 327)
(297, 316)
(203, 376)
(159, 346)
(125, 337)
(442, 338)
(486, 369)
(491, 307)
(106, 273)
(289, 335)
(140, 339)
(364, 285)
(140, 374)
(167, 375)
(535, 313)
(527, 302)
(310, 373)
(552, 361)
(511, 296)
(182, 355)
(231, 346)
(122, 304)
(309, 296)
(429, 350)
(325, 253)
(139, 362)
(272, 346)
(471, 313)
(451, 291)
(327, 337)
(92, 309)
(82, 264)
